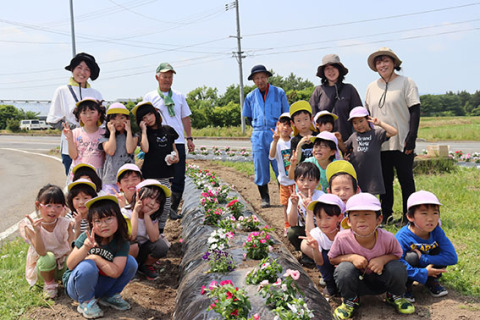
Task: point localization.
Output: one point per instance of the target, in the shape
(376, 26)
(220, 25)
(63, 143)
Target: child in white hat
(426, 249)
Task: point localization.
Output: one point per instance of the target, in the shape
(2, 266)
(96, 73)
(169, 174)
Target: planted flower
(297, 310)
(235, 208)
(249, 223)
(258, 244)
(228, 301)
(231, 153)
(244, 153)
(266, 271)
(203, 148)
(208, 202)
(228, 224)
(282, 292)
(213, 216)
(219, 261)
(219, 239)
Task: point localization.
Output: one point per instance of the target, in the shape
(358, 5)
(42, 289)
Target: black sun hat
(89, 60)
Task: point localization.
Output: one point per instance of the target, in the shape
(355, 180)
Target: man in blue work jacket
(263, 107)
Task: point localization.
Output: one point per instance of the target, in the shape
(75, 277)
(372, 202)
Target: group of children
(332, 214)
(110, 223)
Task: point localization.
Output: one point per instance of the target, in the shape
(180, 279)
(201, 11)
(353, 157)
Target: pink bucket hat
(363, 201)
(153, 182)
(422, 197)
(128, 167)
(325, 135)
(328, 198)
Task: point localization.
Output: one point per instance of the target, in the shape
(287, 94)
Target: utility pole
(239, 55)
(72, 26)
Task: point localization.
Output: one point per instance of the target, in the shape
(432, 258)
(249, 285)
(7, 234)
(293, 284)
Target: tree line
(209, 108)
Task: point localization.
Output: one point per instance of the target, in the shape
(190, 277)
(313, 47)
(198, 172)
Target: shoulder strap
(73, 93)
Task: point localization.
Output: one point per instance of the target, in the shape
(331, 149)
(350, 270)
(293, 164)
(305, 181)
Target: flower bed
(204, 267)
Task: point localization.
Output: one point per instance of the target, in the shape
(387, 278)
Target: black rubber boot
(176, 197)
(265, 196)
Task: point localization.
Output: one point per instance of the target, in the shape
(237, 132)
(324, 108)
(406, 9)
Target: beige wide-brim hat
(384, 51)
(330, 59)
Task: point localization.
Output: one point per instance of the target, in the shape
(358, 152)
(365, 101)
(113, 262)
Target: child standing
(99, 266)
(328, 211)
(158, 143)
(307, 176)
(280, 150)
(148, 208)
(325, 121)
(364, 146)
(367, 259)
(342, 179)
(83, 142)
(79, 193)
(301, 115)
(118, 144)
(426, 249)
(49, 238)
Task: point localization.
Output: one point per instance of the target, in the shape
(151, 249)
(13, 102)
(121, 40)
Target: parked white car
(44, 125)
(30, 124)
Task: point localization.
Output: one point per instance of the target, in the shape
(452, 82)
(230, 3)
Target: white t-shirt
(323, 242)
(282, 155)
(301, 210)
(182, 110)
(63, 104)
(142, 235)
(402, 93)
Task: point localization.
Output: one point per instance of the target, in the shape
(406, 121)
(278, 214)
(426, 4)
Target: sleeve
(411, 93)
(80, 240)
(276, 153)
(285, 105)
(172, 132)
(447, 255)
(247, 108)
(56, 112)
(355, 98)
(381, 135)
(21, 228)
(315, 99)
(418, 274)
(349, 143)
(335, 249)
(185, 109)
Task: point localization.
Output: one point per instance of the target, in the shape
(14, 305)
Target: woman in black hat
(83, 67)
(335, 96)
(394, 99)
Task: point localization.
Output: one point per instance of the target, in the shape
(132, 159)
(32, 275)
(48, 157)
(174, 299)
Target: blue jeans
(327, 269)
(67, 162)
(85, 282)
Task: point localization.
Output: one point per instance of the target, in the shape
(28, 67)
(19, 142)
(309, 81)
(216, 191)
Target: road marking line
(12, 229)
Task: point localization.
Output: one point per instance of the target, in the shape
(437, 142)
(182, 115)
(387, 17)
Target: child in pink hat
(364, 146)
(367, 259)
(426, 249)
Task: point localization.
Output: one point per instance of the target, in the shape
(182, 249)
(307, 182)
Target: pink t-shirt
(87, 147)
(345, 243)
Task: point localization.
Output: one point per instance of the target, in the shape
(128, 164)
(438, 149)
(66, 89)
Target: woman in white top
(394, 99)
(83, 67)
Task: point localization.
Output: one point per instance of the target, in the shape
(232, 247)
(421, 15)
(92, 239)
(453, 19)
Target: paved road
(23, 173)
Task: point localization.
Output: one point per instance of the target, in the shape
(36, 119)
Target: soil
(156, 299)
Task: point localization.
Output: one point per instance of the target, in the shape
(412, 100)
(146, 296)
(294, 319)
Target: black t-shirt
(160, 144)
(307, 149)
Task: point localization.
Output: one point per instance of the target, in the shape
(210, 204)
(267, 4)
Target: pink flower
(224, 282)
(264, 283)
(267, 236)
(241, 218)
(212, 285)
(180, 240)
(229, 235)
(278, 282)
(202, 291)
(263, 241)
(295, 274)
(270, 248)
(256, 316)
(231, 203)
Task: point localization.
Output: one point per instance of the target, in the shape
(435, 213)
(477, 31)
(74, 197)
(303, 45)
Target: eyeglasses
(52, 206)
(107, 221)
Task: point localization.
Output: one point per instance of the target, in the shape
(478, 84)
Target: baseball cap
(363, 201)
(324, 113)
(325, 135)
(118, 107)
(82, 181)
(81, 165)
(340, 166)
(358, 112)
(285, 115)
(165, 67)
(141, 104)
(128, 167)
(300, 105)
(422, 197)
(109, 197)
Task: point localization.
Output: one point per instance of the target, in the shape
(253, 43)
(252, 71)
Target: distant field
(449, 128)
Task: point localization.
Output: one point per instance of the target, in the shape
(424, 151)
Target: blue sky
(438, 42)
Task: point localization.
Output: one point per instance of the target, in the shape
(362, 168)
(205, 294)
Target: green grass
(449, 128)
(16, 297)
(459, 192)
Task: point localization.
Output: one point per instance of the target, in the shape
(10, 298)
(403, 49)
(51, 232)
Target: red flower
(229, 295)
(231, 203)
(234, 313)
(203, 290)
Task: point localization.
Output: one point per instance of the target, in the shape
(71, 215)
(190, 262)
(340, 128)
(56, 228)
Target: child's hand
(433, 272)
(36, 224)
(276, 136)
(67, 131)
(376, 265)
(138, 204)
(306, 199)
(293, 158)
(375, 121)
(143, 126)
(121, 199)
(294, 198)
(128, 126)
(90, 240)
(175, 158)
(77, 217)
(309, 240)
(346, 156)
(359, 262)
(111, 127)
(304, 140)
(338, 136)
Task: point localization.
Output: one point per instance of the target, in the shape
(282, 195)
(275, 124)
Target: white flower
(292, 307)
(284, 287)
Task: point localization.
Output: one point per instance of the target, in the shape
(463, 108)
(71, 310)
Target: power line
(361, 21)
